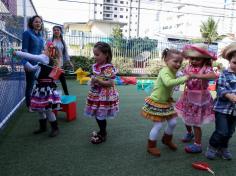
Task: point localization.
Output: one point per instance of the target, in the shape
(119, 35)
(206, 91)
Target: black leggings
(62, 79)
(102, 126)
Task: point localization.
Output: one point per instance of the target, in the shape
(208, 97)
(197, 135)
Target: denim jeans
(30, 78)
(224, 129)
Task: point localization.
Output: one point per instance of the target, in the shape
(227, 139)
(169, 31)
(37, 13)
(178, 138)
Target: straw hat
(198, 50)
(228, 50)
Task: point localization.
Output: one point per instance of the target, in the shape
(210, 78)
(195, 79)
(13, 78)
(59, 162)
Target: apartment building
(230, 16)
(119, 11)
(183, 18)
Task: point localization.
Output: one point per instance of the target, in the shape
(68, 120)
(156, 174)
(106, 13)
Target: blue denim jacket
(32, 43)
(225, 84)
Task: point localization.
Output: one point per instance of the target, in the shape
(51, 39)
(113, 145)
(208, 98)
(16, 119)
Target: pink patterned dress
(103, 102)
(195, 106)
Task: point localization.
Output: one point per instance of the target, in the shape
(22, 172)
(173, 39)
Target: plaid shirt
(225, 84)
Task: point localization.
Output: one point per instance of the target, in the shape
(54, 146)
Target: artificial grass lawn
(124, 152)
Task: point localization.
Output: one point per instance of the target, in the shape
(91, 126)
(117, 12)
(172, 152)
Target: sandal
(98, 139)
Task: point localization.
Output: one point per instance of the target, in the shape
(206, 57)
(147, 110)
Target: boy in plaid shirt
(225, 108)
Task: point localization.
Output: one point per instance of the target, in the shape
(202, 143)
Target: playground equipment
(68, 105)
(82, 76)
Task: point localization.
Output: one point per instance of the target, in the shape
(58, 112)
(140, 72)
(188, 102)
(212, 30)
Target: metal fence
(12, 79)
(138, 54)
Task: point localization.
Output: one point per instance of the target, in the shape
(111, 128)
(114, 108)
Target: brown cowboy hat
(198, 50)
(228, 50)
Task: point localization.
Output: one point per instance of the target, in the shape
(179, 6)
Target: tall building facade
(121, 11)
(184, 17)
(230, 16)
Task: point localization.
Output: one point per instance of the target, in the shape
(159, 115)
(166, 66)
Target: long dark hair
(61, 37)
(31, 20)
(105, 49)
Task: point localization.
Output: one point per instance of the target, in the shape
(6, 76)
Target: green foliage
(208, 30)
(139, 45)
(123, 65)
(82, 62)
(117, 41)
(154, 67)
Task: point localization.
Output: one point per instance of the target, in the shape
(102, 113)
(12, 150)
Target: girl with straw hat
(196, 104)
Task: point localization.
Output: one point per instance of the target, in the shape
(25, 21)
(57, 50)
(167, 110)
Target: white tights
(47, 114)
(157, 126)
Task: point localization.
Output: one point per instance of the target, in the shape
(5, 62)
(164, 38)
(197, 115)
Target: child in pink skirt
(195, 106)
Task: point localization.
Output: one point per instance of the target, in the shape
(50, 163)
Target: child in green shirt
(158, 106)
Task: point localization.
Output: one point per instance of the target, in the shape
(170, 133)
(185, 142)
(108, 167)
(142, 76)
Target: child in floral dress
(103, 98)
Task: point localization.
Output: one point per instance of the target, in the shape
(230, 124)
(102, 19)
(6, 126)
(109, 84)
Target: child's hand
(191, 76)
(95, 81)
(231, 97)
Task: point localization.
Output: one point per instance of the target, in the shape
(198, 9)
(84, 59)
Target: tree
(117, 37)
(208, 30)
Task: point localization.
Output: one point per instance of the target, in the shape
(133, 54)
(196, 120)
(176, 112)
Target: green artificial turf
(124, 152)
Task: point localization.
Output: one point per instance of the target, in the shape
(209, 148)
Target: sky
(59, 12)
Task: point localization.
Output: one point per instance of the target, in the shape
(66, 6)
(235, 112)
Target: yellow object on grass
(82, 76)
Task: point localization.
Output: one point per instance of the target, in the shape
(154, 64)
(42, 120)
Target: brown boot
(167, 140)
(151, 148)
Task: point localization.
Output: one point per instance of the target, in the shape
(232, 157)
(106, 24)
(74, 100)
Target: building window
(115, 16)
(107, 15)
(121, 9)
(121, 16)
(121, 2)
(116, 1)
(100, 12)
(115, 8)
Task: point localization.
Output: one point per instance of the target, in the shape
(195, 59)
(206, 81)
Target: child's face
(196, 61)
(232, 64)
(100, 57)
(175, 62)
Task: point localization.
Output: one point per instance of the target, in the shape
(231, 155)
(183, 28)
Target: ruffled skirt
(157, 112)
(44, 98)
(102, 103)
(194, 112)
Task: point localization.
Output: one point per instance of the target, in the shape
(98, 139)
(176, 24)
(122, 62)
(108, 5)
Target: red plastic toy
(202, 166)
